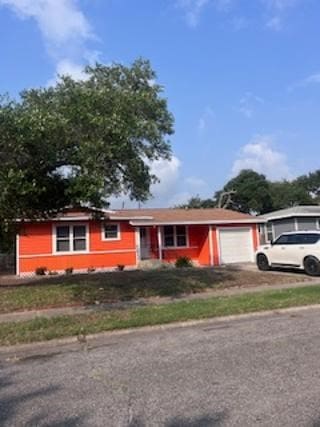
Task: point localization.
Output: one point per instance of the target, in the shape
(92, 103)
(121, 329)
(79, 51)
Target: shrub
(68, 270)
(41, 271)
(183, 262)
(120, 267)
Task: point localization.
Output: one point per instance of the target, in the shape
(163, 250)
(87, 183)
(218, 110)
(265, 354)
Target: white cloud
(59, 20)
(64, 28)
(261, 156)
(312, 79)
(168, 173)
(239, 23)
(196, 184)
(192, 10)
(248, 104)
(172, 189)
(208, 117)
(274, 23)
(277, 10)
(65, 67)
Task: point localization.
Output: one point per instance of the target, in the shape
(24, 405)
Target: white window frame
(266, 231)
(175, 246)
(71, 226)
(110, 239)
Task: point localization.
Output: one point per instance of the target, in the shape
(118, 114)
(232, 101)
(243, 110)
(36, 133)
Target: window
(70, 238)
(308, 239)
(298, 239)
(175, 236)
(111, 232)
(269, 232)
(282, 240)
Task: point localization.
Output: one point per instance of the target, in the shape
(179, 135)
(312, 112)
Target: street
(259, 370)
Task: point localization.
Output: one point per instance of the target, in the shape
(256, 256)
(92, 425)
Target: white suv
(299, 249)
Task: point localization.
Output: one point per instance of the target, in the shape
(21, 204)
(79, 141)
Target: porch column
(160, 243)
(138, 245)
(210, 246)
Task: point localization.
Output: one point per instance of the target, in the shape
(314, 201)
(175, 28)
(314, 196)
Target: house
(297, 218)
(87, 238)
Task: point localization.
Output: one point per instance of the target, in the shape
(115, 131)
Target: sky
(242, 77)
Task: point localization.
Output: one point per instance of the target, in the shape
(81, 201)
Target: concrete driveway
(257, 371)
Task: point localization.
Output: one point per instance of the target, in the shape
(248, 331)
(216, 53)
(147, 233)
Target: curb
(52, 344)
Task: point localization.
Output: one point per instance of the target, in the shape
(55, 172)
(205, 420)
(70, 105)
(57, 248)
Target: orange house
(91, 239)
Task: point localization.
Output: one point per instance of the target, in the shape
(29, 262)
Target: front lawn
(87, 289)
(41, 329)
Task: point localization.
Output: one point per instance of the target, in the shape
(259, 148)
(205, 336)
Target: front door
(144, 243)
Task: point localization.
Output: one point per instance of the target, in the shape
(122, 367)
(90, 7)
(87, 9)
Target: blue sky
(242, 77)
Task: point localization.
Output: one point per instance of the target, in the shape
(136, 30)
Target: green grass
(86, 289)
(41, 329)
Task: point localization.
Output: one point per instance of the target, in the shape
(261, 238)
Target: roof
(178, 216)
(307, 211)
(170, 216)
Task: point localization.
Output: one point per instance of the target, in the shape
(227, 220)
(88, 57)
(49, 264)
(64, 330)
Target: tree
(198, 203)
(289, 193)
(311, 184)
(82, 141)
(249, 193)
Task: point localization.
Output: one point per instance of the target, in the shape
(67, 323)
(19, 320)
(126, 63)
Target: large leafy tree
(289, 193)
(82, 141)
(311, 184)
(249, 192)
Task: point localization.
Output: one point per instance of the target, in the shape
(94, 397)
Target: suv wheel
(262, 262)
(312, 266)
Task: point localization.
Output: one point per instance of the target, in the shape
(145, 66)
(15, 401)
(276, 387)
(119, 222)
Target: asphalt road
(254, 372)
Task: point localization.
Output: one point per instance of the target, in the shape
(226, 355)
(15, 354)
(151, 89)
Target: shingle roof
(307, 210)
(183, 215)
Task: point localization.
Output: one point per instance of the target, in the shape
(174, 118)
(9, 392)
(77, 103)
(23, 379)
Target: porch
(169, 242)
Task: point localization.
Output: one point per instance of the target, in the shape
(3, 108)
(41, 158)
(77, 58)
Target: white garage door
(236, 245)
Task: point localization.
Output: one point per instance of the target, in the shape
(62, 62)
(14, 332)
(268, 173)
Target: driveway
(258, 371)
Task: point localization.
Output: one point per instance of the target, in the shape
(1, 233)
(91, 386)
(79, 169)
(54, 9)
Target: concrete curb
(52, 344)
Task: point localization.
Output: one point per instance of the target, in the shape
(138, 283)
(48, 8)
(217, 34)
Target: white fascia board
(271, 218)
(128, 218)
(243, 221)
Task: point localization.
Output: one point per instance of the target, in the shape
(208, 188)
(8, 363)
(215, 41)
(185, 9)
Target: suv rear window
(298, 239)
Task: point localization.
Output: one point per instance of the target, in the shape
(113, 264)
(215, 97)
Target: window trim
(267, 232)
(111, 239)
(71, 226)
(175, 246)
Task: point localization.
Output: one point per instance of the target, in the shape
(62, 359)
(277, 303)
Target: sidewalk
(69, 311)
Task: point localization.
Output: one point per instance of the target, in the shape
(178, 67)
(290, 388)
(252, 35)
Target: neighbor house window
(269, 232)
(175, 236)
(111, 232)
(71, 238)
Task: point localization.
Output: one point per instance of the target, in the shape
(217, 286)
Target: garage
(236, 245)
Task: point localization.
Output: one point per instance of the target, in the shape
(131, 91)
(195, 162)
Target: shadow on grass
(128, 286)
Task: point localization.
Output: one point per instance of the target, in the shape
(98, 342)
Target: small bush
(120, 267)
(69, 270)
(183, 262)
(41, 271)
